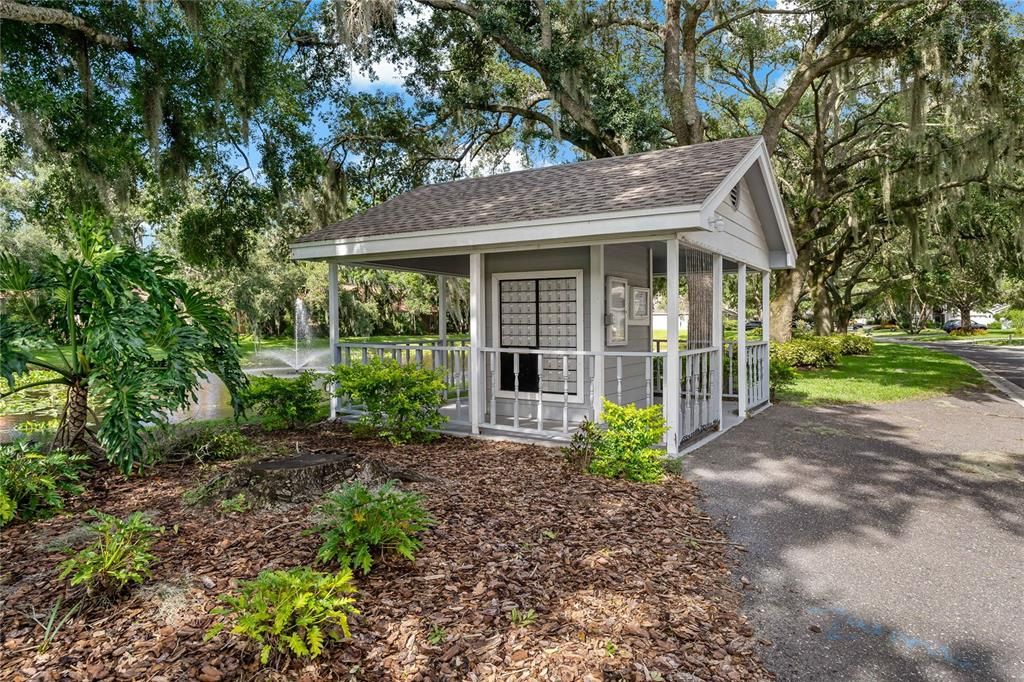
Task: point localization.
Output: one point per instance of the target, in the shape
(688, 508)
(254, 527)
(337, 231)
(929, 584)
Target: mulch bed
(619, 590)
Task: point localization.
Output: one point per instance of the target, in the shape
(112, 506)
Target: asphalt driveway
(883, 542)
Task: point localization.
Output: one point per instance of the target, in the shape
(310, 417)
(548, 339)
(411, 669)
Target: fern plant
(296, 611)
(120, 556)
(358, 521)
(34, 484)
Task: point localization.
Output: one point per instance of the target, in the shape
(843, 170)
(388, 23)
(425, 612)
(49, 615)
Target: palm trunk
(73, 434)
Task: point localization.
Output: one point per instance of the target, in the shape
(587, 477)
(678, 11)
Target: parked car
(753, 324)
(955, 324)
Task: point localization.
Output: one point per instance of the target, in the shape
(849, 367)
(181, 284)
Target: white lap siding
(631, 262)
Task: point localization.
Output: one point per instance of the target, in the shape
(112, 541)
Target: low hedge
(820, 351)
(815, 351)
(854, 344)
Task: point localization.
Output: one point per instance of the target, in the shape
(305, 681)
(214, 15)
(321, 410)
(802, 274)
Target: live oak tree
(614, 78)
(155, 112)
(877, 144)
(197, 117)
(129, 340)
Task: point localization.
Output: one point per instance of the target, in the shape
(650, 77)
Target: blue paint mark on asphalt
(844, 626)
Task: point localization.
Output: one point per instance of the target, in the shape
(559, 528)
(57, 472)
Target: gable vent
(734, 197)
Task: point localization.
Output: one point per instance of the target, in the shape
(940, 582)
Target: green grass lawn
(997, 336)
(893, 372)
(728, 334)
(247, 345)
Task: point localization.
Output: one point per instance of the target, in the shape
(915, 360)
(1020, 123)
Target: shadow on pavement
(883, 542)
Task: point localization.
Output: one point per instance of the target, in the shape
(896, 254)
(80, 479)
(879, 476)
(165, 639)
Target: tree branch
(50, 16)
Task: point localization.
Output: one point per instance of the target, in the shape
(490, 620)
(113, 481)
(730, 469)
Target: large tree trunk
(783, 303)
(73, 434)
(823, 314)
(965, 318)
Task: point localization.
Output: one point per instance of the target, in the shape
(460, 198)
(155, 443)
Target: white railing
(698, 409)
(550, 391)
(730, 375)
(757, 373)
(451, 357)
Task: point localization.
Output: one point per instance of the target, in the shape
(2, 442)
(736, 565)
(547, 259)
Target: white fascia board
(711, 203)
(463, 240)
(759, 155)
(779, 210)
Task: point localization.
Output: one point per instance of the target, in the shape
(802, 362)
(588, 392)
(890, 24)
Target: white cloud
(516, 160)
(386, 73)
(380, 74)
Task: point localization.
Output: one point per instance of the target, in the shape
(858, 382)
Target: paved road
(884, 542)
(1005, 361)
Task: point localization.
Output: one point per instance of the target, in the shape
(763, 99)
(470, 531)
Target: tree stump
(304, 476)
(291, 479)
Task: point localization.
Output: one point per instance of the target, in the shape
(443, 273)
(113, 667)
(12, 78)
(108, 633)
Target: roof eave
(473, 238)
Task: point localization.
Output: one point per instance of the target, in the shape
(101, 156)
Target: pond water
(212, 399)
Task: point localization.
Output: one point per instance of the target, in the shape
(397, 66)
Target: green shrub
(580, 451)
(854, 344)
(235, 505)
(811, 351)
(1016, 318)
(295, 611)
(959, 331)
(285, 403)
(120, 556)
(402, 403)
(200, 442)
(782, 375)
(358, 521)
(34, 484)
(41, 429)
(626, 446)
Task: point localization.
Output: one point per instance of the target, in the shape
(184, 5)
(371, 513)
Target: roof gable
(679, 176)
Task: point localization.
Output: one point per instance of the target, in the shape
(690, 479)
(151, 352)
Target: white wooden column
(477, 388)
(442, 309)
(766, 286)
(670, 392)
(716, 333)
(332, 326)
(741, 338)
(597, 324)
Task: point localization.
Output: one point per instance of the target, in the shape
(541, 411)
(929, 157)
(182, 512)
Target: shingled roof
(680, 176)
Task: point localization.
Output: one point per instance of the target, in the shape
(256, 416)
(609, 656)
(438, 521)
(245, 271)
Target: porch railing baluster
(493, 359)
(515, 385)
(618, 379)
(565, 394)
(540, 393)
(649, 381)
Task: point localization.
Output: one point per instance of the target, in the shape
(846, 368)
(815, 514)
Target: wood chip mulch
(619, 588)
